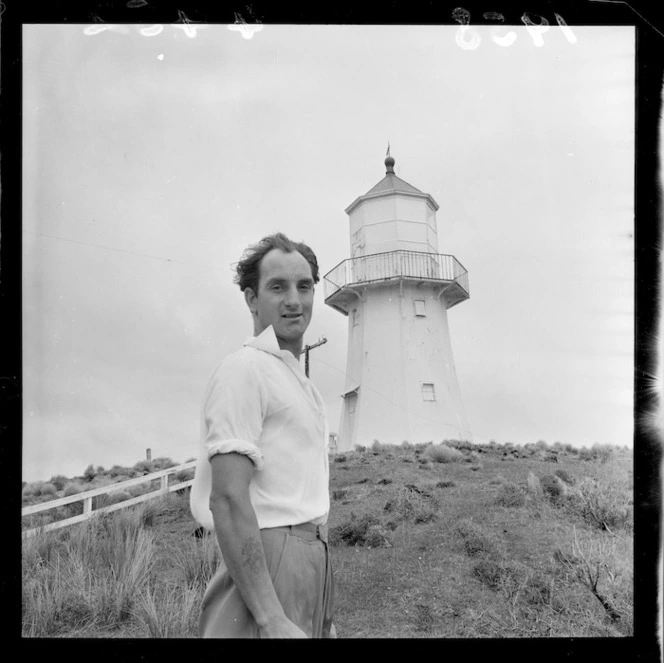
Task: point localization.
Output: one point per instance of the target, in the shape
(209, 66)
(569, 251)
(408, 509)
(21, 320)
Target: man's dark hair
(248, 268)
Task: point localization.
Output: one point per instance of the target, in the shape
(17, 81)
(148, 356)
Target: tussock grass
(171, 612)
(86, 576)
(184, 475)
(197, 560)
(440, 453)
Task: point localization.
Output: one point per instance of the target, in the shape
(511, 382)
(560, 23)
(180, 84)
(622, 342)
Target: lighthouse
(396, 289)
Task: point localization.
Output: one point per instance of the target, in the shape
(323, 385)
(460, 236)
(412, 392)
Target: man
(262, 476)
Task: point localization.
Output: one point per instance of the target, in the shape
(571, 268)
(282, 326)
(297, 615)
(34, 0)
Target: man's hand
(281, 628)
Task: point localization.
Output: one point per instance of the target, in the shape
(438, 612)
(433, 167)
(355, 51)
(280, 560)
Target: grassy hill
(453, 541)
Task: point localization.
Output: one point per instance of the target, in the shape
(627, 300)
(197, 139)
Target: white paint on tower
(401, 383)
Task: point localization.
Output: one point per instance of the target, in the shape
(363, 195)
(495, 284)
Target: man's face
(285, 298)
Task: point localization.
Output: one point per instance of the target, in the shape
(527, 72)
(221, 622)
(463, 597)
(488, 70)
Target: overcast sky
(150, 162)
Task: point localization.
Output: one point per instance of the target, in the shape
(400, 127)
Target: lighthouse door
(350, 406)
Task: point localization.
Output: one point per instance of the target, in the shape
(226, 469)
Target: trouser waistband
(308, 531)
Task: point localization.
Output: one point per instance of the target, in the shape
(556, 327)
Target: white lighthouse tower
(401, 383)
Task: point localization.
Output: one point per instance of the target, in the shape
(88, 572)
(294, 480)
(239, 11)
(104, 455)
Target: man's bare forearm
(242, 549)
(242, 546)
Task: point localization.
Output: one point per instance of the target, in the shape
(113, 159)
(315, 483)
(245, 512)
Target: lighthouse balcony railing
(400, 264)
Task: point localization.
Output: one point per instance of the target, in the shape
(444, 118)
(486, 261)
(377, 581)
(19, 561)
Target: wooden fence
(163, 489)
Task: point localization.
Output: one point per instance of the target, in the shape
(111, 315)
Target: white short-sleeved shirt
(260, 403)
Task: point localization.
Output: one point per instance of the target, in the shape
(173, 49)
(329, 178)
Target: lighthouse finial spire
(389, 161)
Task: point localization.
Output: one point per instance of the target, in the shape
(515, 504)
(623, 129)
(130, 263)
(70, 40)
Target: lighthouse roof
(389, 185)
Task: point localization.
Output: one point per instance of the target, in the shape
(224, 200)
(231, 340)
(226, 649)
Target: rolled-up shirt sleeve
(233, 410)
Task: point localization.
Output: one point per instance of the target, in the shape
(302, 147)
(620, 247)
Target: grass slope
(474, 542)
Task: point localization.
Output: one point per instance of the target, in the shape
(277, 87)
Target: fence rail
(86, 497)
(396, 264)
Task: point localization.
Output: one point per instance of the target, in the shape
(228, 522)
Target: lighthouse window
(428, 391)
(420, 310)
(356, 317)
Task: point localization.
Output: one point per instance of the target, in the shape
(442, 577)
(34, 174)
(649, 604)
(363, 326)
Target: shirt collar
(267, 342)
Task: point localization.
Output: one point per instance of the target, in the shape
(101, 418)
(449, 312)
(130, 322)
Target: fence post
(163, 487)
(87, 505)
(148, 455)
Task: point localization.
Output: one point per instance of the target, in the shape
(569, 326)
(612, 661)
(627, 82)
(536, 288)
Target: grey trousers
(298, 561)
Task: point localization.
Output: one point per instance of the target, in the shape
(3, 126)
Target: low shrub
(162, 464)
(73, 489)
(137, 490)
(539, 589)
(377, 446)
(28, 490)
(553, 487)
(602, 452)
(143, 467)
(440, 453)
(501, 574)
(364, 531)
(118, 471)
(510, 495)
(89, 473)
(490, 572)
(48, 489)
(461, 445)
(607, 506)
(477, 541)
(377, 537)
(412, 503)
(118, 496)
(59, 481)
(39, 489)
(445, 484)
(340, 458)
(565, 476)
(184, 475)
